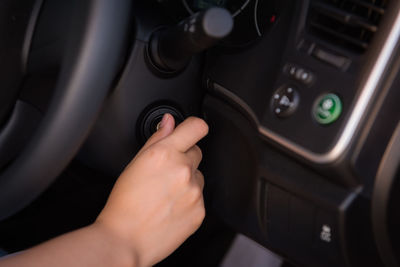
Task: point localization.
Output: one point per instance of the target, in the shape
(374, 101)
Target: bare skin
(155, 205)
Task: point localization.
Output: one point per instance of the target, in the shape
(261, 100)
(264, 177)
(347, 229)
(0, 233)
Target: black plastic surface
(385, 200)
(114, 139)
(269, 197)
(394, 217)
(278, 216)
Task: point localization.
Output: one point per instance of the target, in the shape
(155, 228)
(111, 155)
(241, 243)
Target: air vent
(348, 23)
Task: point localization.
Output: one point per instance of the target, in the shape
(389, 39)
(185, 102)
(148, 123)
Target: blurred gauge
(252, 17)
(234, 6)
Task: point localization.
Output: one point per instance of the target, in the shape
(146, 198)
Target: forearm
(89, 246)
(156, 204)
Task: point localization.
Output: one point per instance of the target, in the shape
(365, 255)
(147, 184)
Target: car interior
(301, 98)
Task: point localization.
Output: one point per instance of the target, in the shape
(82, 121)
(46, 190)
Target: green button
(327, 109)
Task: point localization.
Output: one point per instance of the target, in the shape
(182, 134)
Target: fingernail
(163, 121)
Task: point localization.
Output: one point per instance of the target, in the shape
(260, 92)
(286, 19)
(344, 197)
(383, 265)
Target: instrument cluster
(253, 18)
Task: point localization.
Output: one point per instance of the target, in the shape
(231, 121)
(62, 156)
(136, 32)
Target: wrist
(122, 252)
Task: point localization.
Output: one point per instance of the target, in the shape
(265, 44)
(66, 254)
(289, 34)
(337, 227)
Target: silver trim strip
(353, 123)
(188, 9)
(368, 91)
(240, 102)
(256, 20)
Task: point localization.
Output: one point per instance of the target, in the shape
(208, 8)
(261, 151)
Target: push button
(304, 76)
(327, 109)
(285, 101)
(299, 74)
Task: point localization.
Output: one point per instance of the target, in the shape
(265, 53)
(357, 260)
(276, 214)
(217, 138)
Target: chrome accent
(241, 8)
(368, 91)
(342, 232)
(188, 9)
(237, 100)
(256, 20)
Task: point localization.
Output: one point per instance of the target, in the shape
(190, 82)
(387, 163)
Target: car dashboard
(294, 154)
(301, 99)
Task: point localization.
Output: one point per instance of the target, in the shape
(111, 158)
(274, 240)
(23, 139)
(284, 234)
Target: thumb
(167, 126)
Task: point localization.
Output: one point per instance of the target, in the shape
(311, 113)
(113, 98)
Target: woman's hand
(157, 202)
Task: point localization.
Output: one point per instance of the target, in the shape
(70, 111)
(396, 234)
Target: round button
(327, 109)
(285, 101)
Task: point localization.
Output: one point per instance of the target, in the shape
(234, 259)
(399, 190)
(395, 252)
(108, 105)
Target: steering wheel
(99, 34)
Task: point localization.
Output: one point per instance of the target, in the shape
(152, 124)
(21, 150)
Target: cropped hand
(157, 202)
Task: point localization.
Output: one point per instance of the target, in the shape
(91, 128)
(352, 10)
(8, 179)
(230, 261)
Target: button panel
(299, 74)
(300, 227)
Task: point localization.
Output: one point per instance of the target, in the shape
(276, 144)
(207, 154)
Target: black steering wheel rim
(100, 31)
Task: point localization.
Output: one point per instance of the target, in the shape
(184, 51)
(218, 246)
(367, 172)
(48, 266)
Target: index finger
(187, 134)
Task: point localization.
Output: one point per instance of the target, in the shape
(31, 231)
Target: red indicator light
(272, 19)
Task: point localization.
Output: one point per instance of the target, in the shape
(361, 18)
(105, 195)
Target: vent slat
(349, 39)
(371, 6)
(348, 23)
(345, 17)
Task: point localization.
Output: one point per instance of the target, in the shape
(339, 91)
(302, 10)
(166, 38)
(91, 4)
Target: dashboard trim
(256, 20)
(353, 123)
(236, 100)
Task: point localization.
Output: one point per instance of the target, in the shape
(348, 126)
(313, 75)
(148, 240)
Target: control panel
(312, 99)
(305, 98)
